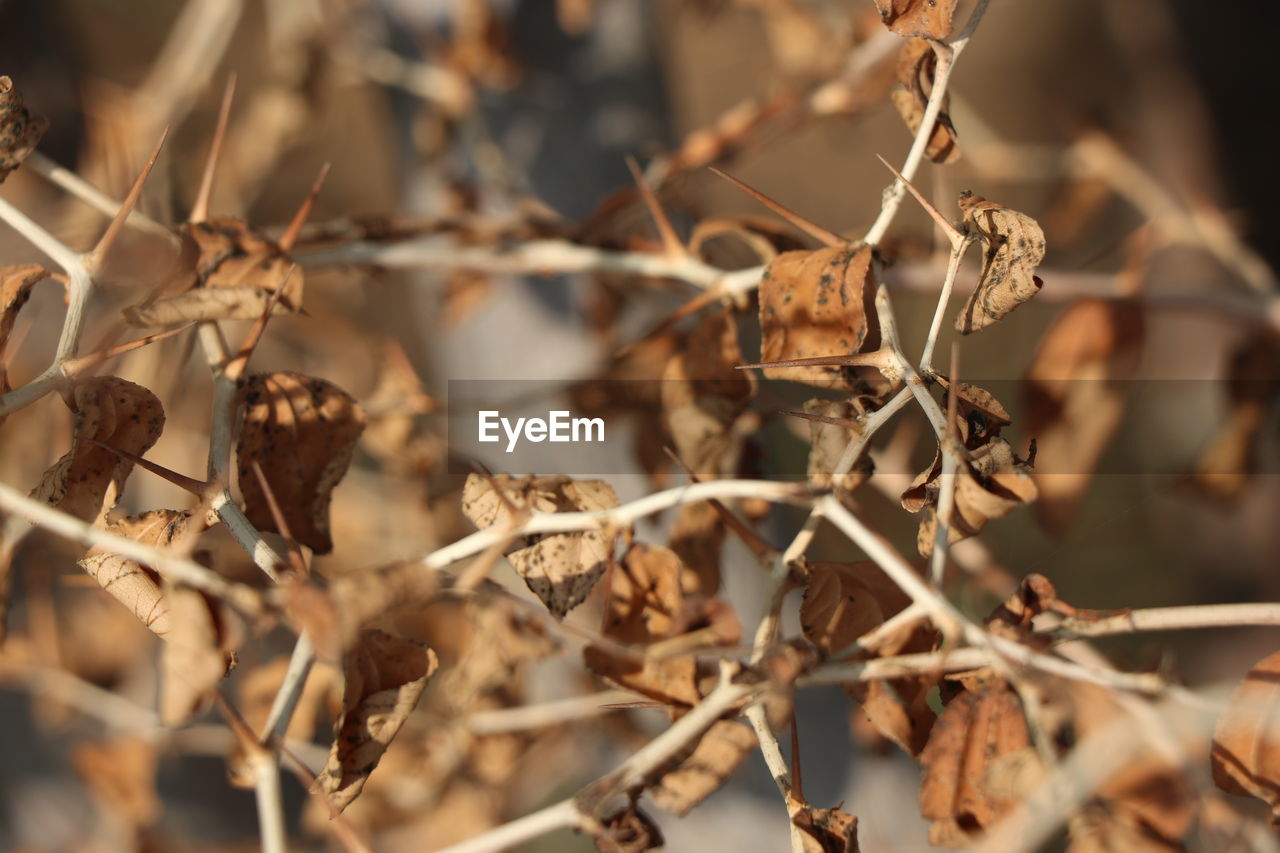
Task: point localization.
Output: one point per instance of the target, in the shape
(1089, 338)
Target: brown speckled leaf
(20, 129)
(719, 752)
(560, 568)
(196, 655)
(923, 18)
(974, 730)
(233, 272)
(385, 677)
(135, 586)
(818, 304)
(302, 431)
(117, 413)
(1013, 245)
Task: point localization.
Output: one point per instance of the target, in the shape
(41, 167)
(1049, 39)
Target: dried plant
(433, 702)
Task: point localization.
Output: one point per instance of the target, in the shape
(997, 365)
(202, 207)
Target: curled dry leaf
(15, 288)
(1014, 247)
(121, 775)
(232, 273)
(973, 731)
(917, 64)
(897, 709)
(628, 831)
(1147, 804)
(1075, 398)
(1246, 740)
(703, 396)
(829, 441)
(135, 586)
(991, 485)
(302, 432)
(197, 653)
(646, 605)
(816, 304)
(839, 605)
(918, 18)
(20, 129)
(560, 568)
(827, 830)
(697, 537)
(117, 413)
(979, 415)
(719, 752)
(385, 677)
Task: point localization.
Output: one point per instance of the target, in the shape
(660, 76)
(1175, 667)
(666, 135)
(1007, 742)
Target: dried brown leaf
(979, 415)
(233, 273)
(629, 831)
(1246, 740)
(829, 441)
(697, 536)
(827, 830)
(116, 413)
(973, 731)
(135, 586)
(1014, 247)
(918, 18)
(703, 396)
(121, 775)
(991, 485)
(815, 304)
(1228, 463)
(20, 129)
(302, 432)
(197, 652)
(560, 568)
(1075, 398)
(646, 603)
(719, 752)
(385, 677)
(838, 605)
(917, 64)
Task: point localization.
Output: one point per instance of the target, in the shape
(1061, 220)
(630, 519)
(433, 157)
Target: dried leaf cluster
(464, 647)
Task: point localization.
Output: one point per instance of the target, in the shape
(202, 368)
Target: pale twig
(621, 516)
(578, 811)
(94, 197)
(174, 568)
(561, 815)
(286, 701)
(560, 712)
(536, 257)
(1169, 619)
(947, 54)
(944, 297)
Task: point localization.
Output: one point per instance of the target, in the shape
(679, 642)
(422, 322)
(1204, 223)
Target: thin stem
(175, 568)
(286, 701)
(947, 55)
(1169, 619)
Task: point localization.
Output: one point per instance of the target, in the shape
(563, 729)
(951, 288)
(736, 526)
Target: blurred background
(1137, 133)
